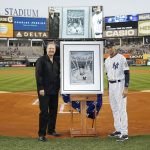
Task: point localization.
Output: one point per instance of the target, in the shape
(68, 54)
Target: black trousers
(48, 113)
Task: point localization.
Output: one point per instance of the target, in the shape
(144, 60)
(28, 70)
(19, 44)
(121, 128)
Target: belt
(114, 81)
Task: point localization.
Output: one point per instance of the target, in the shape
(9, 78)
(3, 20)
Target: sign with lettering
(29, 24)
(120, 33)
(6, 30)
(144, 28)
(6, 19)
(121, 18)
(21, 12)
(145, 16)
(32, 34)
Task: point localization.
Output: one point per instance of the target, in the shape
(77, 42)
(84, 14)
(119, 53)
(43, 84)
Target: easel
(84, 131)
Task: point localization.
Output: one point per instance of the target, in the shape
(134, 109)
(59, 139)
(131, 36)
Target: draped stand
(84, 130)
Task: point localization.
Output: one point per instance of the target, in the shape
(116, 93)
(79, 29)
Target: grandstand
(20, 55)
(136, 48)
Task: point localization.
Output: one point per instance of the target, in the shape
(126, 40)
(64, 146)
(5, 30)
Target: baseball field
(19, 115)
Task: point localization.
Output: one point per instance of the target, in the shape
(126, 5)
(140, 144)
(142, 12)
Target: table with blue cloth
(90, 105)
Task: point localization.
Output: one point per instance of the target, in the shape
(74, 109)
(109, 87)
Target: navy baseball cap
(110, 44)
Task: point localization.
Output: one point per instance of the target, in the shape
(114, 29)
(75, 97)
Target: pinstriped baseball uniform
(115, 68)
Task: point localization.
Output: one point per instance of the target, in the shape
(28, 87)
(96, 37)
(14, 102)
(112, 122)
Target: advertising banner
(144, 28)
(120, 33)
(145, 16)
(6, 30)
(146, 56)
(6, 19)
(30, 34)
(29, 24)
(121, 18)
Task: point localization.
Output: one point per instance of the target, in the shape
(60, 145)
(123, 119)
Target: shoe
(115, 134)
(54, 134)
(42, 139)
(122, 138)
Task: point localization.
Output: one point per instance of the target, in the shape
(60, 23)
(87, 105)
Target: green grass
(134, 143)
(140, 68)
(138, 81)
(23, 79)
(17, 79)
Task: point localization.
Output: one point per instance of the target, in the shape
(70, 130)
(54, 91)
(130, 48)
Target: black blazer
(47, 75)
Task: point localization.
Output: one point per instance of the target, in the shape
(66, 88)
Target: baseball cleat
(122, 138)
(115, 134)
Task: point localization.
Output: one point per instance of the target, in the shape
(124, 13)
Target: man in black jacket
(48, 84)
(53, 24)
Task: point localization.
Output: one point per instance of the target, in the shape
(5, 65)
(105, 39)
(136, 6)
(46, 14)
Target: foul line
(36, 102)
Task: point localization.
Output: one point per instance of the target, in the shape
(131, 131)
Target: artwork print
(81, 67)
(75, 22)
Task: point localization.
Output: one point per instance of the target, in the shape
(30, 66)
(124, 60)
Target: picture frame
(75, 22)
(54, 22)
(81, 67)
(97, 21)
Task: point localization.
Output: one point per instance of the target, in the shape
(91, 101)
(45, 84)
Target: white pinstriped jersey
(115, 67)
(97, 25)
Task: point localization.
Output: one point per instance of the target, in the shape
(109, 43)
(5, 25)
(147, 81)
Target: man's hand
(41, 92)
(125, 92)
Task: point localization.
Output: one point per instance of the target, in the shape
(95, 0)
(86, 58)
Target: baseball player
(97, 23)
(117, 71)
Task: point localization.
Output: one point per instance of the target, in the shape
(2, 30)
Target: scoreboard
(121, 22)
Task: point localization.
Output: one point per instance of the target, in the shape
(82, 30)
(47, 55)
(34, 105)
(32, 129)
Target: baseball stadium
(22, 43)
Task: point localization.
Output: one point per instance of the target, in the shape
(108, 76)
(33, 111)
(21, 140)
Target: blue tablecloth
(90, 105)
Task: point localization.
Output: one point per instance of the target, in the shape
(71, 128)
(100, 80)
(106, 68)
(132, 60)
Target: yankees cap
(110, 44)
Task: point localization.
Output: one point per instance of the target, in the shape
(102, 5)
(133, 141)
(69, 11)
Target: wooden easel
(83, 131)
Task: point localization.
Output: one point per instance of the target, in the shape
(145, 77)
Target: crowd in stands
(136, 49)
(24, 52)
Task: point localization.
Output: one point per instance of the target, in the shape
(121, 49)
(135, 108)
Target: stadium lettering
(35, 34)
(120, 33)
(25, 34)
(21, 12)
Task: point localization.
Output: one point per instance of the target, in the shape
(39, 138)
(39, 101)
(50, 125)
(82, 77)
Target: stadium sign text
(27, 34)
(21, 12)
(120, 33)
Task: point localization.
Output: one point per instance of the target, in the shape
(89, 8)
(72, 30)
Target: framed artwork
(55, 21)
(97, 21)
(81, 67)
(75, 22)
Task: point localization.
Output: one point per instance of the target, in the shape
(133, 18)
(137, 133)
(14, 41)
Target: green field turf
(23, 79)
(17, 79)
(134, 143)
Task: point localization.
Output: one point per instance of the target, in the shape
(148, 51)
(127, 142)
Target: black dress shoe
(42, 139)
(54, 133)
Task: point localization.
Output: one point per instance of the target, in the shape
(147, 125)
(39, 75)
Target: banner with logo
(6, 19)
(29, 24)
(120, 33)
(121, 18)
(145, 16)
(6, 30)
(144, 28)
(31, 34)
